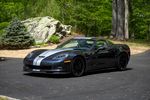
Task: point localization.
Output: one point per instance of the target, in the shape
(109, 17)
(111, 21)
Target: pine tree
(16, 36)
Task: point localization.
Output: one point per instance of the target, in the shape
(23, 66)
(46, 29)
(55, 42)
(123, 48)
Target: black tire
(78, 67)
(122, 62)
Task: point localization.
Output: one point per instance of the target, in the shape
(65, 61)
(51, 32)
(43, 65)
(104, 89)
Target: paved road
(133, 84)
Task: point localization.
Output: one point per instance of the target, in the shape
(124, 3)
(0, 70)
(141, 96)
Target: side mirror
(100, 48)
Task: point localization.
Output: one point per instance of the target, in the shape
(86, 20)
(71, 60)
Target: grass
(41, 44)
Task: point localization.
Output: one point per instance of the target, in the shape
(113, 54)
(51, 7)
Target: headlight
(61, 56)
(29, 55)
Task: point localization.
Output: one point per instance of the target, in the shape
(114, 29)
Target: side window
(101, 43)
(109, 42)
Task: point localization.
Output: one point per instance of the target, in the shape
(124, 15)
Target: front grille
(39, 67)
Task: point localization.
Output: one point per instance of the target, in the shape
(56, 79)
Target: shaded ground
(132, 84)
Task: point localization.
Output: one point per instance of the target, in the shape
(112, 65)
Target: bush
(3, 25)
(54, 39)
(1, 46)
(1, 32)
(16, 36)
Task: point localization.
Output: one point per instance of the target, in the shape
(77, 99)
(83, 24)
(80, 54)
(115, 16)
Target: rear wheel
(122, 62)
(78, 67)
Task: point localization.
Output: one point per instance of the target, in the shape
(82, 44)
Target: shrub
(1, 46)
(16, 36)
(3, 25)
(54, 39)
(1, 32)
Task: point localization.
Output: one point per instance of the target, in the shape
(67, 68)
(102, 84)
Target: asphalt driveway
(132, 84)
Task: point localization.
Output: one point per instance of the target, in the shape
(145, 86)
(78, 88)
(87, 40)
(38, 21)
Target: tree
(126, 25)
(114, 18)
(10, 9)
(120, 24)
(120, 18)
(16, 36)
(139, 18)
(93, 18)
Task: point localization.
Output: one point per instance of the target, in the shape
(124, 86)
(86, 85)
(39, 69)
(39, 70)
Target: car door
(105, 54)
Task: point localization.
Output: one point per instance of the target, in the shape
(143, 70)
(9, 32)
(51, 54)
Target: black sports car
(78, 55)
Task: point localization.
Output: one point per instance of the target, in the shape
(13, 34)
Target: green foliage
(16, 36)
(86, 16)
(1, 45)
(34, 8)
(1, 32)
(54, 39)
(10, 9)
(140, 18)
(91, 17)
(3, 25)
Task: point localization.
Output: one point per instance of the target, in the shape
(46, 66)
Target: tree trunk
(126, 26)
(114, 18)
(131, 35)
(121, 17)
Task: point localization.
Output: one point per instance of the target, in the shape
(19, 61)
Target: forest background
(89, 17)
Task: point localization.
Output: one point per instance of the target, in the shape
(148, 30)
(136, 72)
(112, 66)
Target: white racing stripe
(37, 61)
(37, 58)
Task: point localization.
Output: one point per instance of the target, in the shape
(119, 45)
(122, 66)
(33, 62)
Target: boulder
(42, 28)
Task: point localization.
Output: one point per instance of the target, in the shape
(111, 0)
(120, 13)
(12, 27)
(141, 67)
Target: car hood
(46, 53)
(36, 57)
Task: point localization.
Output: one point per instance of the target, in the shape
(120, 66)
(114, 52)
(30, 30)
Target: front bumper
(51, 67)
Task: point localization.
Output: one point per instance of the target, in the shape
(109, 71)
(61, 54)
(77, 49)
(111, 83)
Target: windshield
(78, 43)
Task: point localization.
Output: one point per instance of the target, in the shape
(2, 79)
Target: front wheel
(78, 67)
(122, 62)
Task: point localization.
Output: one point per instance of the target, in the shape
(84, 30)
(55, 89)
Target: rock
(66, 29)
(42, 28)
(60, 35)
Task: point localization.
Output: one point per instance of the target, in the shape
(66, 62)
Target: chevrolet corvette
(78, 56)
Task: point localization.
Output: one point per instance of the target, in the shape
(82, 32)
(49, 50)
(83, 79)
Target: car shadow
(45, 75)
(18, 69)
(106, 71)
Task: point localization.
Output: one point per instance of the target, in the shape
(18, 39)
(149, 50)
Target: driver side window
(101, 43)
